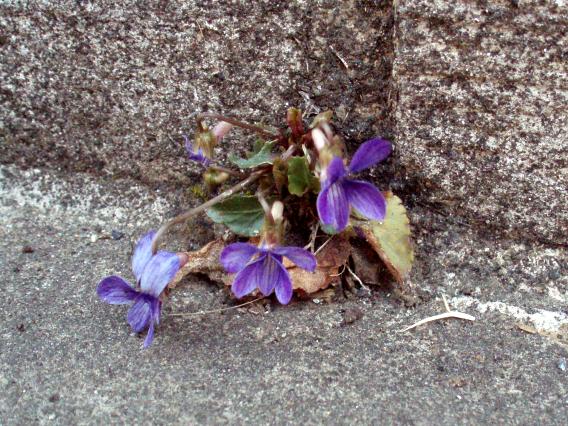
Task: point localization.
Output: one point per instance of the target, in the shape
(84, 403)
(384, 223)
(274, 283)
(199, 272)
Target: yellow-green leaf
(391, 238)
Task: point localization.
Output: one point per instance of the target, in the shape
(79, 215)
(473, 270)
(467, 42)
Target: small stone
(54, 398)
(351, 315)
(27, 249)
(94, 238)
(21, 327)
(116, 235)
(562, 364)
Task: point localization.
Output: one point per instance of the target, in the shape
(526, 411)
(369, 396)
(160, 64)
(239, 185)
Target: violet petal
(140, 314)
(245, 281)
(193, 155)
(283, 287)
(235, 256)
(367, 199)
(116, 291)
(155, 319)
(334, 171)
(159, 272)
(269, 275)
(150, 336)
(301, 257)
(333, 207)
(142, 254)
(369, 154)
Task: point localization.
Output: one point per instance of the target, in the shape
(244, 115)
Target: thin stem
(190, 213)
(323, 245)
(289, 152)
(235, 122)
(225, 194)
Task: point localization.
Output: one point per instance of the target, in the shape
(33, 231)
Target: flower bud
(277, 211)
(294, 119)
(206, 141)
(323, 117)
(320, 141)
(221, 129)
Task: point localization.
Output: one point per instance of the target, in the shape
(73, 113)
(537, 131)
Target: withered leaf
(330, 259)
(204, 261)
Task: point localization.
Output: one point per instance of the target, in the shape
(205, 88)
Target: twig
(359, 280)
(213, 311)
(323, 245)
(226, 170)
(448, 314)
(341, 273)
(343, 61)
(235, 122)
(221, 197)
(311, 244)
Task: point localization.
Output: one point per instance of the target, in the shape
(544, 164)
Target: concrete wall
(475, 100)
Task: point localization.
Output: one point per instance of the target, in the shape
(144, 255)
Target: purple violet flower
(195, 155)
(262, 268)
(338, 193)
(153, 273)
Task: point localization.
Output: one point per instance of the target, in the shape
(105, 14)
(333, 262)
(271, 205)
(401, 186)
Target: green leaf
(242, 214)
(258, 144)
(391, 238)
(264, 156)
(300, 179)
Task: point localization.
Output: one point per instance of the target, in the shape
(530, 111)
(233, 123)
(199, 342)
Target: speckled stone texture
(90, 94)
(481, 117)
(105, 86)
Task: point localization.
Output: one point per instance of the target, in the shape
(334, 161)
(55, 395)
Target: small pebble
(351, 315)
(562, 364)
(116, 235)
(94, 238)
(27, 249)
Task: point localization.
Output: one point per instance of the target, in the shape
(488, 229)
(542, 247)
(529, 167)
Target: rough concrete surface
(481, 118)
(473, 95)
(67, 358)
(102, 86)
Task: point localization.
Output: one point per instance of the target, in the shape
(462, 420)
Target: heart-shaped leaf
(391, 238)
(242, 214)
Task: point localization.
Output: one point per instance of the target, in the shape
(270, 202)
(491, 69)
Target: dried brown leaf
(330, 259)
(204, 261)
